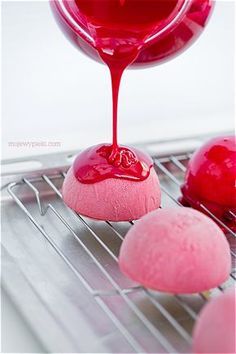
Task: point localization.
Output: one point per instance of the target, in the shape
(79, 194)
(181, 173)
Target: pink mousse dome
(112, 199)
(177, 250)
(215, 329)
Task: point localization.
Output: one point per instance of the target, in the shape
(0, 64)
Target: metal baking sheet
(61, 270)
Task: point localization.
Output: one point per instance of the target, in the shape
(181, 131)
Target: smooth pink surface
(215, 328)
(177, 250)
(112, 199)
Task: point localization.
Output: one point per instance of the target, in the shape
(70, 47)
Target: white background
(52, 92)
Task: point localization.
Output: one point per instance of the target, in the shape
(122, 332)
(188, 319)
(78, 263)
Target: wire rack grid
(172, 169)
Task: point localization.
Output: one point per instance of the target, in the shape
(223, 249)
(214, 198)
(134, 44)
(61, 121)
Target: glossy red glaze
(103, 161)
(211, 178)
(117, 32)
(172, 42)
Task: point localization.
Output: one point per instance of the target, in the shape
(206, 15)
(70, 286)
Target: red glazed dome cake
(113, 199)
(211, 179)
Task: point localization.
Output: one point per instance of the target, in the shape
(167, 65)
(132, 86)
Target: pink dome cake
(113, 199)
(177, 250)
(215, 329)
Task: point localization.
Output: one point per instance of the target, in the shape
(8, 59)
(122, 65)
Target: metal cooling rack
(122, 316)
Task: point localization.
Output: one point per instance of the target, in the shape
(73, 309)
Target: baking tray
(61, 270)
